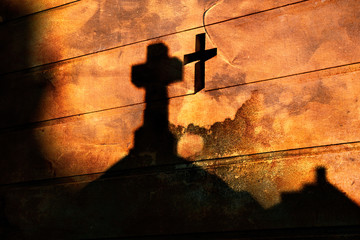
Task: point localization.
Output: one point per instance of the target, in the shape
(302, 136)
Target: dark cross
(155, 75)
(202, 55)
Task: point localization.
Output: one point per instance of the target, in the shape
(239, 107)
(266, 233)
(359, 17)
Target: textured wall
(103, 135)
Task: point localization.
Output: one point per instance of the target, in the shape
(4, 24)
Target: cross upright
(200, 55)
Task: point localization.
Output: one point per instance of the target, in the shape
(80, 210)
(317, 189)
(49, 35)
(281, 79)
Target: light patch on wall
(190, 145)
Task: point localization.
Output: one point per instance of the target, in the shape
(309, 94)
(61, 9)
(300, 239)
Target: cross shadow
(147, 192)
(154, 144)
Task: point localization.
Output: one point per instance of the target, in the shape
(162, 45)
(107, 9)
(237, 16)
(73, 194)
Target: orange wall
(280, 101)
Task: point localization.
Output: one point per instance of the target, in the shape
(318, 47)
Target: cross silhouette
(202, 55)
(155, 75)
(154, 138)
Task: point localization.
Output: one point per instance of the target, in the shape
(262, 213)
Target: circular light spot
(190, 145)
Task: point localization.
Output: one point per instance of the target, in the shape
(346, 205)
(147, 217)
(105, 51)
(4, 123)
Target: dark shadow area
(20, 95)
(317, 204)
(148, 193)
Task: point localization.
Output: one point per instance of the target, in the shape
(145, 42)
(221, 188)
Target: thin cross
(202, 55)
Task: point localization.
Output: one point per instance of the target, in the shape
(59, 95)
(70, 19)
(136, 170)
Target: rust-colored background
(271, 142)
